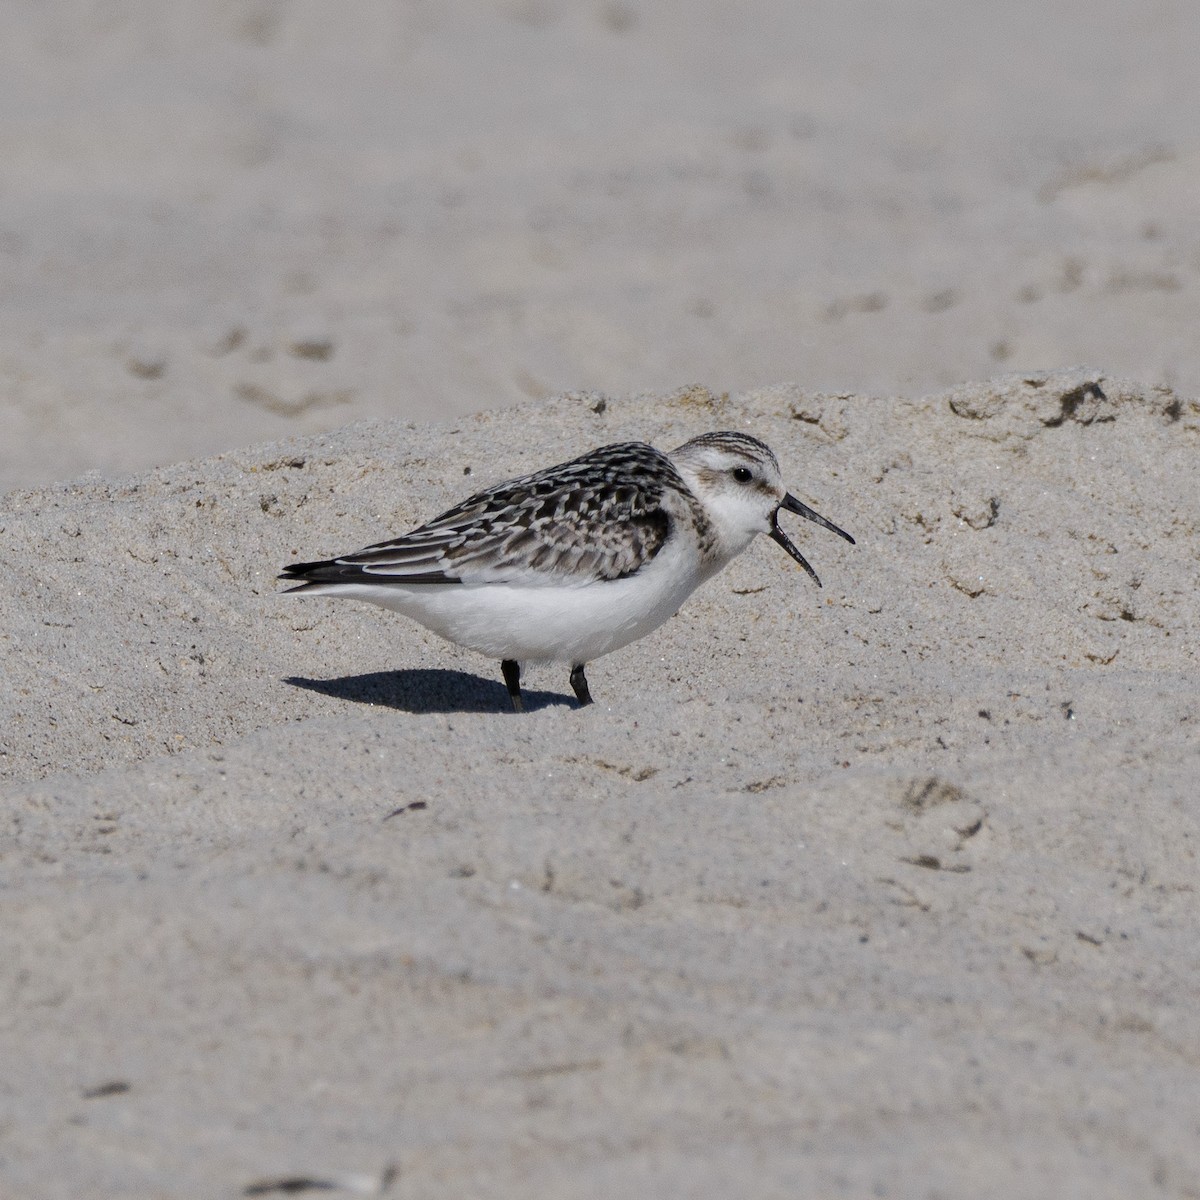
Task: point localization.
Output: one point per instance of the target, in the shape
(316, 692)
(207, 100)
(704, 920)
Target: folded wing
(601, 516)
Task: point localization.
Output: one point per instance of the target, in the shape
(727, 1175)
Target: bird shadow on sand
(429, 691)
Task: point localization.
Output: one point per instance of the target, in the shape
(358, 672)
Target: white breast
(549, 622)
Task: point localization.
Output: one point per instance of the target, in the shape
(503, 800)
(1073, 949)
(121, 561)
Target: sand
(883, 889)
(887, 888)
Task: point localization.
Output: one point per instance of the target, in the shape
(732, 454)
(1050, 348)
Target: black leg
(579, 683)
(511, 670)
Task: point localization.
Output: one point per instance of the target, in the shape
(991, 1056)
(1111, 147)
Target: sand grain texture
(884, 889)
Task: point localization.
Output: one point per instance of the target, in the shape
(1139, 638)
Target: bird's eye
(743, 474)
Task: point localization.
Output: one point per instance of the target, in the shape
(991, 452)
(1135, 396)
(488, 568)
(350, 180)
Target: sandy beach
(886, 888)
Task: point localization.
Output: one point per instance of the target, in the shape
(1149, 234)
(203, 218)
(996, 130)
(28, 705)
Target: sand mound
(889, 885)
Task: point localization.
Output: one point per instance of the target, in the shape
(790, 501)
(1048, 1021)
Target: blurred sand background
(887, 889)
(223, 222)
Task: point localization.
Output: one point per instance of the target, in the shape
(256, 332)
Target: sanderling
(578, 560)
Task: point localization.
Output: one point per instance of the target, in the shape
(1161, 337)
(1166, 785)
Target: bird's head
(737, 479)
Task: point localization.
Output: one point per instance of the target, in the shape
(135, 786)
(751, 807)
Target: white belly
(545, 623)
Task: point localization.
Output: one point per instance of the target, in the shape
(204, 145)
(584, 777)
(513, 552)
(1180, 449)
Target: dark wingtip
(327, 571)
(299, 570)
(336, 570)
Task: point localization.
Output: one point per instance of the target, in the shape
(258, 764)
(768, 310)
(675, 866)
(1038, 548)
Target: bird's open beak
(793, 505)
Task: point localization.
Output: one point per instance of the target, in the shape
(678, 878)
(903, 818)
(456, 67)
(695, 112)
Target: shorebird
(578, 560)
